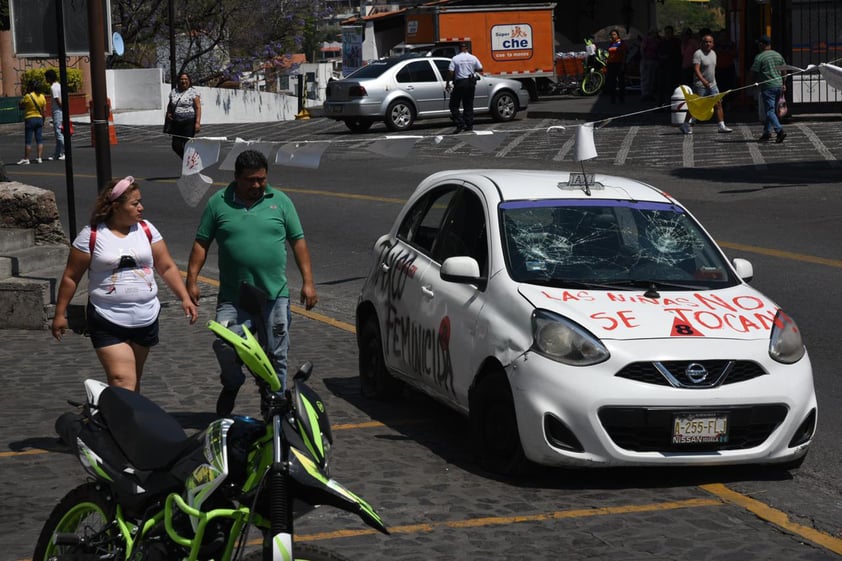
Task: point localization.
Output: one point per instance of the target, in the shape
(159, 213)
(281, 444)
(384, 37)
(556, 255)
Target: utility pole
(99, 93)
(65, 112)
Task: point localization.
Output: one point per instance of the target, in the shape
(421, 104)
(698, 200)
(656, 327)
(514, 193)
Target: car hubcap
(505, 107)
(400, 116)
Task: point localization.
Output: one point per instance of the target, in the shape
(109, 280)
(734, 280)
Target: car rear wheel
(400, 115)
(375, 380)
(358, 125)
(504, 106)
(493, 421)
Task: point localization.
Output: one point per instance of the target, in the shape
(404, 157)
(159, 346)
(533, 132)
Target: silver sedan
(400, 90)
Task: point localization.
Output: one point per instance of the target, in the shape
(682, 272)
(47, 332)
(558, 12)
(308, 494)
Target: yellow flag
(701, 108)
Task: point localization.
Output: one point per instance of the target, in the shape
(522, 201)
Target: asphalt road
(777, 205)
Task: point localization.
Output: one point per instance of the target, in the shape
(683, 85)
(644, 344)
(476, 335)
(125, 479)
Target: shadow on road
(773, 176)
(445, 433)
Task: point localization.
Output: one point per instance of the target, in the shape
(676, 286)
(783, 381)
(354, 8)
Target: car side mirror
(462, 269)
(744, 269)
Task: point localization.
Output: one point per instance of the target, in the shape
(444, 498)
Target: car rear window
(373, 69)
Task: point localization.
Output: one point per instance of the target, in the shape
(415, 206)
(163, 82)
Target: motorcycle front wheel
(83, 521)
(304, 552)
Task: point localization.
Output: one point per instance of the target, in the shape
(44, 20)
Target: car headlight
(560, 339)
(785, 343)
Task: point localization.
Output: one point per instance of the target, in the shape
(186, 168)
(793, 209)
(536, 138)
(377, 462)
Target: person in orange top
(615, 76)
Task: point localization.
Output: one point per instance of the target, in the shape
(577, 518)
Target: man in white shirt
(58, 116)
(464, 70)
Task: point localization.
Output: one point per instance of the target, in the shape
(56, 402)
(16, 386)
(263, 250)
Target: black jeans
(181, 132)
(463, 93)
(615, 81)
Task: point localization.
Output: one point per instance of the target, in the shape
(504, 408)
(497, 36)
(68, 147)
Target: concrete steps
(29, 278)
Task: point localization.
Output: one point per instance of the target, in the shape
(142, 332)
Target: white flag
(483, 140)
(301, 156)
(394, 146)
(199, 153)
(193, 187)
(832, 74)
(585, 148)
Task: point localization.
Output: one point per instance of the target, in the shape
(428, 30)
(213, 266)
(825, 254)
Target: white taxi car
(582, 321)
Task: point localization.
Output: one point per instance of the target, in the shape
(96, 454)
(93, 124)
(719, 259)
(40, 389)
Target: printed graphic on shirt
(126, 272)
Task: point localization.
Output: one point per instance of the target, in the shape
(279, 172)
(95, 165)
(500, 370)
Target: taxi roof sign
(580, 180)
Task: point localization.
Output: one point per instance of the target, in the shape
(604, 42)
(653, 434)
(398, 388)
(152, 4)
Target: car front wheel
(493, 422)
(375, 380)
(504, 106)
(400, 115)
(358, 125)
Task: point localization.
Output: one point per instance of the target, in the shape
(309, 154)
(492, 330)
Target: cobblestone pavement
(407, 458)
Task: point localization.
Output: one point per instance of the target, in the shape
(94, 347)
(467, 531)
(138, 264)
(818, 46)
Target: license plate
(336, 109)
(700, 428)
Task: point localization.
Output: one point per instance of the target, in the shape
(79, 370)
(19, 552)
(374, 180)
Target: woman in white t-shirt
(121, 253)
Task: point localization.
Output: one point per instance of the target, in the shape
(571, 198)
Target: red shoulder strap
(92, 240)
(146, 229)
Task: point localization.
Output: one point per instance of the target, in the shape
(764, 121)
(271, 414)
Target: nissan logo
(696, 372)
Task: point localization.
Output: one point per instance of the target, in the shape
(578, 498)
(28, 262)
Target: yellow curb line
(774, 516)
(503, 520)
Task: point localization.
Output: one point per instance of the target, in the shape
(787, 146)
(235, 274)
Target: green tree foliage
(74, 79)
(681, 14)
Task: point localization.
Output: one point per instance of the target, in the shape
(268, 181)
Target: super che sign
(511, 42)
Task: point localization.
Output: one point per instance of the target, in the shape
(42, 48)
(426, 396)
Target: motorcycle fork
(280, 547)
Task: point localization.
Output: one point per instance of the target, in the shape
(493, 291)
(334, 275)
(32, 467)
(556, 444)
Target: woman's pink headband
(120, 188)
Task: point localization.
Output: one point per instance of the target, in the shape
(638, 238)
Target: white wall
(139, 97)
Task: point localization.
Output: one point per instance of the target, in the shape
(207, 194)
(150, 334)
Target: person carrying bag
(33, 105)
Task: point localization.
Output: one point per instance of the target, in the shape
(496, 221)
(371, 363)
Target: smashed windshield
(574, 242)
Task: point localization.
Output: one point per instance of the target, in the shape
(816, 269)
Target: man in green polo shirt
(251, 222)
(766, 70)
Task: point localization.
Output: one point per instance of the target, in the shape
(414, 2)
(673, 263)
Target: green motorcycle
(157, 494)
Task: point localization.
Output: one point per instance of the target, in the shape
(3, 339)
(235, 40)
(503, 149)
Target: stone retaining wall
(25, 206)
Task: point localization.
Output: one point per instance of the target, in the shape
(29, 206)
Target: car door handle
(428, 291)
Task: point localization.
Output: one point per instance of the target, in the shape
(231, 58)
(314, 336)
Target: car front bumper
(591, 417)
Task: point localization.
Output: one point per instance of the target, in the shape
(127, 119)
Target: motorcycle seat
(150, 438)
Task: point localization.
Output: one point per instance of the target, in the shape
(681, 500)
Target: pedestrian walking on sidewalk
(121, 253)
(464, 70)
(184, 113)
(33, 104)
(766, 70)
(251, 222)
(58, 114)
(704, 83)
